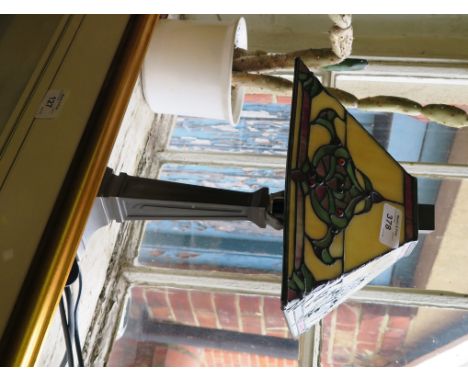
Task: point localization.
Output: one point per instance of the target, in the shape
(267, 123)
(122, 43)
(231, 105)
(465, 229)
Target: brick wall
(353, 334)
(260, 315)
(240, 313)
(267, 98)
(364, 335)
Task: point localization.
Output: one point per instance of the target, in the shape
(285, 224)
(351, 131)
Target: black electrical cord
(64, 359)
(66, 333)
(70, 326)
(70, 315)
(79, 353)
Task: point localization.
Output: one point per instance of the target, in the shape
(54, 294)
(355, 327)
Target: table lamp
(349, 210)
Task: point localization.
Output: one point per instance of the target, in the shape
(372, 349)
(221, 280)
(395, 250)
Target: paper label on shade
(390, 226)
(51, 104)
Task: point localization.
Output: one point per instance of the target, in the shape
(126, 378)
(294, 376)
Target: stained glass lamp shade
(350, 208)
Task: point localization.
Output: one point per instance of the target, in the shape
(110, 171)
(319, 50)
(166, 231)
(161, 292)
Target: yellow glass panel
(319, 136)
(292, 227)
(360, 207)
(385, 174)
(325, 101)
(340, 128)
(314, 227)
(362, 242)
(336, 247)
(319, 270)
(297, 126)
(360, 180)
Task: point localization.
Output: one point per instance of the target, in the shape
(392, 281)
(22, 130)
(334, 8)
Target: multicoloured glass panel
(348, 202)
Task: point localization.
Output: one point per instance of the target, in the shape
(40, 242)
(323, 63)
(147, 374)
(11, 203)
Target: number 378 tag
(390, 226)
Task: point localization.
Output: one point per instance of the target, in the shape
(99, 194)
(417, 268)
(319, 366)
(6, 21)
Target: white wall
(417, 36)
